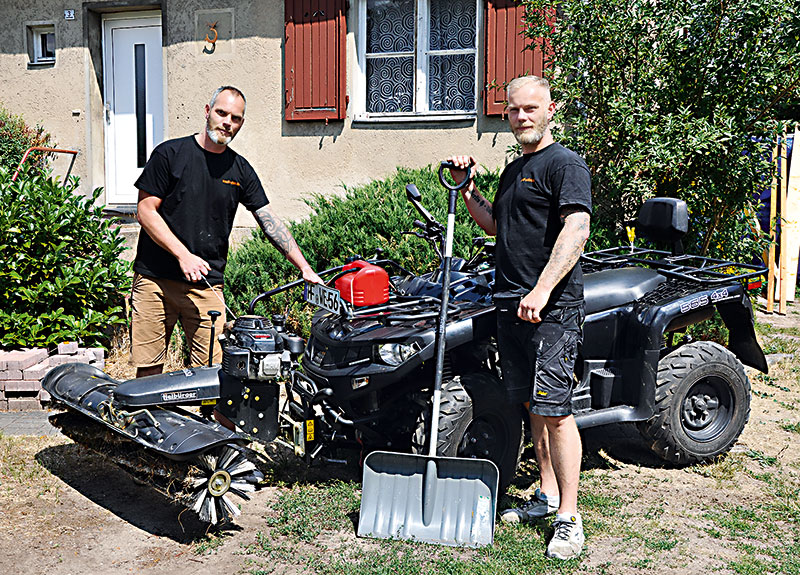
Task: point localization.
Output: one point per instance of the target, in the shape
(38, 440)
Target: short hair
(526, 80)
(221, 89)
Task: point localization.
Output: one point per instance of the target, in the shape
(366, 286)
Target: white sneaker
(540, 506)
(567, 541)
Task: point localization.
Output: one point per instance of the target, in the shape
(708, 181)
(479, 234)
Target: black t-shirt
(532, 191)
(200, 191)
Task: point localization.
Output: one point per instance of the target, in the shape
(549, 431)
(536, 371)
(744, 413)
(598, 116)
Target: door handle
(107, 112)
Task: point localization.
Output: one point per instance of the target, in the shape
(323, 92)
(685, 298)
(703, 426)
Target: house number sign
(69, 14)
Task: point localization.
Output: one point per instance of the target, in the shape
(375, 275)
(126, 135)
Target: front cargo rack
(691, 268)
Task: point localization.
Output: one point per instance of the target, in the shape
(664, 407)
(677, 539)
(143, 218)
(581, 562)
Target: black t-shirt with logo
(200, 191)
(533, 189)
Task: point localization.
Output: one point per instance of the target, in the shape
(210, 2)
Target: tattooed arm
(566, 252)
(479, 207)
(280, 237)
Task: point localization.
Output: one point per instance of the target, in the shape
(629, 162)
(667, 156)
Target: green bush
(16, 137)
(669, 99)
(60, 268)
(366, 218)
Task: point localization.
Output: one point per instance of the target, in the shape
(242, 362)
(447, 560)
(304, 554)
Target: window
(41, 44)
(416, 58)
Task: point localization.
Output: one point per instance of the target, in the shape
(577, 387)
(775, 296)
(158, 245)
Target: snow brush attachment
(229, 471)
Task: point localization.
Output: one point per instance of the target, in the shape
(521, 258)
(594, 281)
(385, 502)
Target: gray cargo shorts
(538, 359)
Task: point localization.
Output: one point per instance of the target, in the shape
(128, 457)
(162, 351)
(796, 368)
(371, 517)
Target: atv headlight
(397, 353)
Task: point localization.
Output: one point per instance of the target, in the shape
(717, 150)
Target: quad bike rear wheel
(475, 421)
(702, 404)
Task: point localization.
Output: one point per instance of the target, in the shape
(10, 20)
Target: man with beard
(540, 216)
(189, 191)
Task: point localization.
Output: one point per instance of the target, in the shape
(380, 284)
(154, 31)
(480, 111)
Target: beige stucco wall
(293, 159)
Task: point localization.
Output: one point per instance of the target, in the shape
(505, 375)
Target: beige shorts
(157, 304)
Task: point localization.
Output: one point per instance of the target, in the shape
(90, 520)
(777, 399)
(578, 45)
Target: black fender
(173, 433)
(737, 315)
(650, 322)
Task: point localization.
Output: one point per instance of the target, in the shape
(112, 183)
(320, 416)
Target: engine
(254, 349)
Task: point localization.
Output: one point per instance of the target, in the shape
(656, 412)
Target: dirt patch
(65, 510)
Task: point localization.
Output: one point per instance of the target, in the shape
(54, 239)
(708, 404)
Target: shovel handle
(441, 325)
(455, 187)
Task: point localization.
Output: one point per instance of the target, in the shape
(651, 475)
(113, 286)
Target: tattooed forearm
(484, 205)
(568, 247)
(276, 232)
(481, 210)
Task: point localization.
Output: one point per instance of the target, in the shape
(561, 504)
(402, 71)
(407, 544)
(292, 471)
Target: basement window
(41, 44)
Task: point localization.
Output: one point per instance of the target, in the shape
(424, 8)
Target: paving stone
(23, 404)
(44, 395)
(24, 358)
(98, 352)
(26, 423)
(22, 385)
(100, 364)
(56, 360)
(68, 348)
(3, 405)
(11, 374)
(37, 371)
(83, 358)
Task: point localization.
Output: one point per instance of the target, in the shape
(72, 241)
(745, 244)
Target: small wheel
(475, 421)
(228, 471)
(702, 403)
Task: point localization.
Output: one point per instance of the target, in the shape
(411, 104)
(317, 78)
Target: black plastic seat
(608, 289)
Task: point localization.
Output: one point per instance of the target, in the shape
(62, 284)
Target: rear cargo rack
(691, 268)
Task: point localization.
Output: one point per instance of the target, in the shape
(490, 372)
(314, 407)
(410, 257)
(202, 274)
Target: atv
(690, 399)
(363, 380)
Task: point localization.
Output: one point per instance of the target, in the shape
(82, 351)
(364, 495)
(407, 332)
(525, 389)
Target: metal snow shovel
(446, 500)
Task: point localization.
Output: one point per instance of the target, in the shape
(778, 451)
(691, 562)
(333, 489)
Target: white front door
(134, 102)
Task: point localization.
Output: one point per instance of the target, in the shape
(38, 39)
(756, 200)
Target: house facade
(338, 91)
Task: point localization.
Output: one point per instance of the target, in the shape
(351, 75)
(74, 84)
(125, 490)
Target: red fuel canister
(366, 284)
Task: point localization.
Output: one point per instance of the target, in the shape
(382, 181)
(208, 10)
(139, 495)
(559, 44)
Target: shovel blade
(445, 500)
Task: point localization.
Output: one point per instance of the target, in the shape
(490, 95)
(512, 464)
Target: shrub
(60, 272)
(366, 218)
(670, 99)
(16, 137)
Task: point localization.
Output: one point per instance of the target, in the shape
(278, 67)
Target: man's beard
(218, 138)
(533, 134)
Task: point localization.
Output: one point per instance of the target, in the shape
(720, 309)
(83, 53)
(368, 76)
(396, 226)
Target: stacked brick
(22, 371)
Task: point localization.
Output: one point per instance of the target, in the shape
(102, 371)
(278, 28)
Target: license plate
(325, 297)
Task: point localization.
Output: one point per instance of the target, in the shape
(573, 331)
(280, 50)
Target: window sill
(367, 118)
(41, 64)
(125, 212)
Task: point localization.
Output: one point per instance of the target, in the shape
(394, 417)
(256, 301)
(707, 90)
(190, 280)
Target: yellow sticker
(309, 430)
(209, 402)
(542, 393)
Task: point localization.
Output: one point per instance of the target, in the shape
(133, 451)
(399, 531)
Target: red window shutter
(506, 54)
(315, 59)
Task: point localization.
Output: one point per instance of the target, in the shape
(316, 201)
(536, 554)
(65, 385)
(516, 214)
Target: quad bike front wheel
(475, 421)
(702, 404)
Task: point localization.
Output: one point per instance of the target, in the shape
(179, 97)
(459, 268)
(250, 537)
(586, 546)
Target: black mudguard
(174, 433)
(738, 317)
(198, 384)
